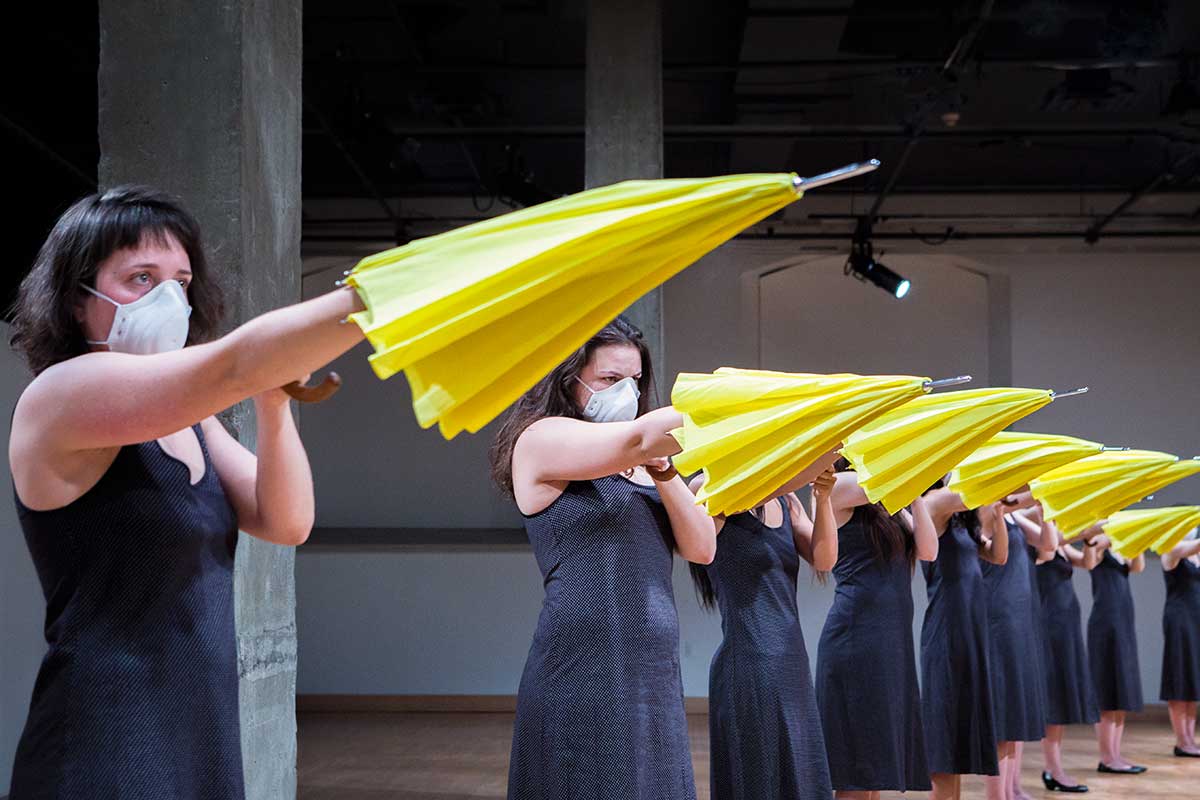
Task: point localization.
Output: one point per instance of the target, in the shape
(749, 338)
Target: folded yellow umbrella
(1088, 490)
(1009, 460)
(1130, 492)
(1133, 532)
(902, 453)
(753, 430)
(1179, 532)
(476, 316)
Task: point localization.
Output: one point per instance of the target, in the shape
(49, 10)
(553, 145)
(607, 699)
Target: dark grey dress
(1112, 638)
(600, 708)
(1069, 696)
(1181, 633)
(137, 695)
(1018, 688)
(956, 685)
(764, 728)
(867, 671)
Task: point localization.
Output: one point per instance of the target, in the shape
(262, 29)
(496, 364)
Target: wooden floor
(427, 756)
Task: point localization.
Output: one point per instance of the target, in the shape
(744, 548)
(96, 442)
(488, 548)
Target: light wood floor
(455, 756)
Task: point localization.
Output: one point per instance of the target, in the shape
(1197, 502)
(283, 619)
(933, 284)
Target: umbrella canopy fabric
(905, 451)
(1134, 531)
(1086, 491)
(476, 316)
(751, 431)
(1009, 460)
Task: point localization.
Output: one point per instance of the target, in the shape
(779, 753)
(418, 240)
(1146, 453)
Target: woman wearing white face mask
(600, 708)
(130, 494)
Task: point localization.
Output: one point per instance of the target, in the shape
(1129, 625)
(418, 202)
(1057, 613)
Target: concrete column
(203, 100)
(624, 127)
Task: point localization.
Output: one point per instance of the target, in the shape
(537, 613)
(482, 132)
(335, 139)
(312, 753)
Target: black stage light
(862, 265)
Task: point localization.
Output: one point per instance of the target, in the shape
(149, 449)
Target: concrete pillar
(624, 127)
(203, 100)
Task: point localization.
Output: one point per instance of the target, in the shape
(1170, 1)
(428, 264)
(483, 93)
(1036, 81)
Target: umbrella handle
(315, 394)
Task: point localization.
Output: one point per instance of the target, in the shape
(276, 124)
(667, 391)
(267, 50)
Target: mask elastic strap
(101, 296)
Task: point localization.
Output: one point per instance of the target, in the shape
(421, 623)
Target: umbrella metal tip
(944, 382)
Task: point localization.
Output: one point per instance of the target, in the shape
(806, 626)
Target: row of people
(130, 493)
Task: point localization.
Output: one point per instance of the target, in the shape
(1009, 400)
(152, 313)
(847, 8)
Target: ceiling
(407, 98)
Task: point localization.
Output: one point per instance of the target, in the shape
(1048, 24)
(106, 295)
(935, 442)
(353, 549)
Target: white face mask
(157, 322)
(617, 403)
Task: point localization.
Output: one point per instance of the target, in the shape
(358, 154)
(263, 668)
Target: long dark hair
(706, 593)
(968, 519)
(45, 330)
(554, 395)
(888, 534)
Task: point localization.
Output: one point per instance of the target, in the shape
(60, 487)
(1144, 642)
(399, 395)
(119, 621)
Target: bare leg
(1104, 738)
(841, 795)
(1118, 737)
(1015, 772)
(1178, 709)
(945, 786)
(1052, 751)
(1190, 711)
(999, 787)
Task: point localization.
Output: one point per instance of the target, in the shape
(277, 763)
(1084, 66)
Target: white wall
(22, 608)
(424, 621)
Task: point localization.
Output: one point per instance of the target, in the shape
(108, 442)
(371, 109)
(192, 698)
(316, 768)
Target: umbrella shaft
(825, 178)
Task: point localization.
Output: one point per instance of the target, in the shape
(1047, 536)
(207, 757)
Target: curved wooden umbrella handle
(315, 394)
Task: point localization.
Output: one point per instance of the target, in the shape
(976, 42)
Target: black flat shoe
(1054, 786)
(1134, 770)
(1181, 753)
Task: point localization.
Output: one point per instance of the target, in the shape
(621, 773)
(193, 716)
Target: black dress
(1181, 633)
(1069, 696)
(1112, 638)
(137, 696)
(867, 671)
(600, 708)
(956, 684)
(764, 728)
(1018, 688)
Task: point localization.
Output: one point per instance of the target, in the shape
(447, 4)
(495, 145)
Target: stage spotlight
(862, 265)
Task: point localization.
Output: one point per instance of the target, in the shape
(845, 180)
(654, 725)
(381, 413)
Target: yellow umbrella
(476, 316)
(1179, 532)
(1088, 490)
(752, 430)
(1009, 460)
(1132, 532)
(1130, 492)
(902, 453)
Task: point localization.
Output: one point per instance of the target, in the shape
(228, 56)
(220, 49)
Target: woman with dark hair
(1181, 642)
(1069, 696)
(1015, 633)
(764, 730)
(130, 493)
(1112, 648)
(600, 707)
(866, 663)
(957, 708)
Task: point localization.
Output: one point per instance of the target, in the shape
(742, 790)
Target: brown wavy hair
(554, 395)
(45, 330)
